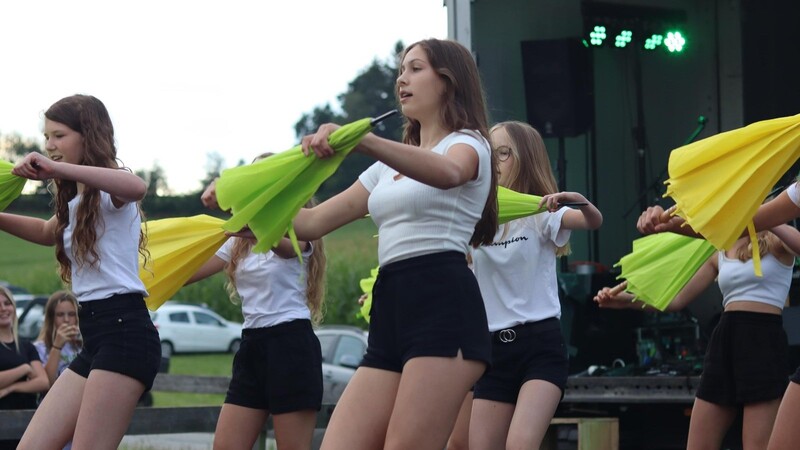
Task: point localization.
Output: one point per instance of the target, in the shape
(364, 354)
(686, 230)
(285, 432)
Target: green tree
(156, 180)
(14, 146)
(370, 94)
(215, 162)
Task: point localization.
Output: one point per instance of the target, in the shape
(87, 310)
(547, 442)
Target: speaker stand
(562, 185)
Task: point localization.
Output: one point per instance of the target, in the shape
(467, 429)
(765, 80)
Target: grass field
(351, 253)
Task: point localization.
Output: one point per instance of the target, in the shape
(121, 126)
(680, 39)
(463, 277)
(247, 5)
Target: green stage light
(623, 38)
(598, 35)
(653, 41)
(675, 42)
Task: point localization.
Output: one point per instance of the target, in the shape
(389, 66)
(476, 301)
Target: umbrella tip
(382, 117)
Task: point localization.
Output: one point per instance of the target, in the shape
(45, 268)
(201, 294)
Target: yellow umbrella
(266, 195)
(718, 183)
(178, 248)
(661, 264)
(366, 285)
(10, 185)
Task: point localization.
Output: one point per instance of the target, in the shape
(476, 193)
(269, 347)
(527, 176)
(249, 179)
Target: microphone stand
(701, 124)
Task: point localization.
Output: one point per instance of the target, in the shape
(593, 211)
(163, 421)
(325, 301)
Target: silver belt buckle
(507, 335)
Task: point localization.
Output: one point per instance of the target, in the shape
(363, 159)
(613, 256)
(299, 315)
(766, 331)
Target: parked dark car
(343, 347)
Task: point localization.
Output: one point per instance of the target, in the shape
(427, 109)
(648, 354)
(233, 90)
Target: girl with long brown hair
(59, 340)
(97, 233)
(432, 196)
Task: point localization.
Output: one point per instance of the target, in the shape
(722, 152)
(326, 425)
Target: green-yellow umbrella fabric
(512, 205)
(178, 249)
(10, 184)
(718, 183)
(366, 285)
(661, 264)
(267, 195)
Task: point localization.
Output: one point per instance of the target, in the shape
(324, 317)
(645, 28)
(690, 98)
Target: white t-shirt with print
(517, 272)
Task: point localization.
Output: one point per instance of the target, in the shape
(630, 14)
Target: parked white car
(189, 328)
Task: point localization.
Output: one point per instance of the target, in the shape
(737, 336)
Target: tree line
(370, 94)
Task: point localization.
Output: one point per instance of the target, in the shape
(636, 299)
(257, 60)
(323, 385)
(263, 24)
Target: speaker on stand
(558, 96)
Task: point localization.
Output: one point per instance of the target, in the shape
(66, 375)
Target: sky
(185, 79)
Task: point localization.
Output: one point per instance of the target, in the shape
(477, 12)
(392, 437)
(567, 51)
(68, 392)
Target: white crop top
(416, 219)
(738, 282)
(794, 193)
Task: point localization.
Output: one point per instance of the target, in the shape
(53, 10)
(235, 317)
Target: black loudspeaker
(558, 86)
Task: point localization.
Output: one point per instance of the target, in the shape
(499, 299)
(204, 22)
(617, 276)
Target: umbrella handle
(619, 288)
(382, 117)
(667, 215)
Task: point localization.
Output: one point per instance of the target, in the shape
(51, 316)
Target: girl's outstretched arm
(122, 185)
(456, 167)
(313, 223)
(585, 217)
(32, 229)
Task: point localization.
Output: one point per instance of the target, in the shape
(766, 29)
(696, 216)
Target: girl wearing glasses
(516, 398)
(60, 339)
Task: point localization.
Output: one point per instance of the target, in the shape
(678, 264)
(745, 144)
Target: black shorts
(746, 360)
(118, 336)
(530, 351)
(426, 306)
(278, 369)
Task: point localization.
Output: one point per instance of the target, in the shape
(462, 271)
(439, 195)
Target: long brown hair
(88, 116)
(531, 172)
(463, 107)
(47, 333)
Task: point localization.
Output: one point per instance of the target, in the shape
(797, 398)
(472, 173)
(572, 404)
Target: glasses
(502, 153)
(62, 315)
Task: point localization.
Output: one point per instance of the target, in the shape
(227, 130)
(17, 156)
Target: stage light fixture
(653, 41)
(598, 35)
(623, 38)
(643, 26)
(675, 42)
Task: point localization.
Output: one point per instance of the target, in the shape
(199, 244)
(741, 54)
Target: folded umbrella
(718, 183)
(366, 285)
(512, 205)
(266, 195)
(661, 264)
(10, 184)
(178, 248)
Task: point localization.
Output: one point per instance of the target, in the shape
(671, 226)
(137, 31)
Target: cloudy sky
(183, 79)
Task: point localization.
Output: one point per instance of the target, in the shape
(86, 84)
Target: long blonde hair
(4, 291)
(767, 243)
(47, 333)
(315, 271)
(531, 172)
